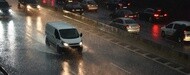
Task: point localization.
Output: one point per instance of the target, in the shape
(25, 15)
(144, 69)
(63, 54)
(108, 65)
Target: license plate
(161, 16)
(78, 10)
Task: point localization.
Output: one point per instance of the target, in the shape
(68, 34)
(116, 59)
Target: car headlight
(80, 43)
(10, 10)
(65, 44)
(1, 11)
(28, 7)
(38, 6)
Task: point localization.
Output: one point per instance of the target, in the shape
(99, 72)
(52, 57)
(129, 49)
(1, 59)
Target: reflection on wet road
(23, 50)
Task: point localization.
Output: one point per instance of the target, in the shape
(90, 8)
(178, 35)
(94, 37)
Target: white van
(63, 36)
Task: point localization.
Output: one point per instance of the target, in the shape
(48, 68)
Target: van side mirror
(80, 34)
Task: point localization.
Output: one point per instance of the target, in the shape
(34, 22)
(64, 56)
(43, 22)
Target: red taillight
(44, 1)
(165, 14)
(127, 26)
(156, 15)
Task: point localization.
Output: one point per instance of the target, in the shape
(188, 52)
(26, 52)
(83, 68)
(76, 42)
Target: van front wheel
(47, 42)
(80, 50)
(58, 49)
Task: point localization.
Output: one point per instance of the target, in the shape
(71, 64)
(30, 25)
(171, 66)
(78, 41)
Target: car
(63, 36)
(5, 9)
(59, 4)
(89, 5)
(153, 15)
(29, 5)
(123, 13)
(117, 4)
(179, 30)
(74, 7)
(127, 24)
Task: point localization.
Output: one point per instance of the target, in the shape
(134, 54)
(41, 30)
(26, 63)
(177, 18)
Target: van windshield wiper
(3, 71)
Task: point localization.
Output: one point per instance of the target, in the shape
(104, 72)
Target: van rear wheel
(80, 50)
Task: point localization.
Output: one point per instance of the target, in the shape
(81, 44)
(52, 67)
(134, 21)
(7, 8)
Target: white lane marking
(120, 68)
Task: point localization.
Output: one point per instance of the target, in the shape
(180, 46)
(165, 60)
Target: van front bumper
(187, 38)
(72, 48)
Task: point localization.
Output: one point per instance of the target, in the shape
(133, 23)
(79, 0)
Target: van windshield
(69, 33)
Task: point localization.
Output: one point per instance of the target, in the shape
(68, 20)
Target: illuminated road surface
(23, 51)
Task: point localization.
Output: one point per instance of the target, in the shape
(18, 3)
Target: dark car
(4, 9)
(59, 4)
(117, 4)
(29, 5)
(153, 15)
(74, 7)
(123, 13)
(89, 5)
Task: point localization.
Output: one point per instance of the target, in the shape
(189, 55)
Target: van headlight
(28, 7)
(80, 43)
(66, 44)
(38, 6)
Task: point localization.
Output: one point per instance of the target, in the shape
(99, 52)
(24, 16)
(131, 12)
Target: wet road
(149, 31)
(23, 50)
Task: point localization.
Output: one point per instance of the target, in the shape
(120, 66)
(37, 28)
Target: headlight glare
(80, 43)
(28, 7)
(65, 44)
(38, 6)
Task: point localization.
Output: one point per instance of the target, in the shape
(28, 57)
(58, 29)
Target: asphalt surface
(23, 50)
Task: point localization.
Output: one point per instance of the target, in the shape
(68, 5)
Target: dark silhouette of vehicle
(5, 9)
(123, 13)
(29, 4)
(74, 7)
(89, 5)
(60, 4)
(117, 4)
(153, 15)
